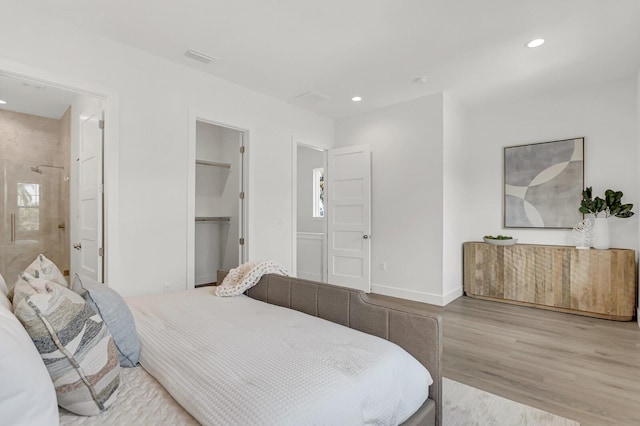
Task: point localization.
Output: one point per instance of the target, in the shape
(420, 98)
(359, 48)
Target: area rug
(467, 406)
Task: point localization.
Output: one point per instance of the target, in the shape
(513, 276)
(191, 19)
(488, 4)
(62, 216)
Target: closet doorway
(219, 201)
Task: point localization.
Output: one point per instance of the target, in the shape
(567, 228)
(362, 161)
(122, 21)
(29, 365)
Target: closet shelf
(213, 163)
(213, 219)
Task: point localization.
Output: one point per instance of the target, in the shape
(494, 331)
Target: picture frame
(543, 184)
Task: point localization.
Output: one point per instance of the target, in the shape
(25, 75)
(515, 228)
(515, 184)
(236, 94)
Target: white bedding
(238, 361)
(141, 401)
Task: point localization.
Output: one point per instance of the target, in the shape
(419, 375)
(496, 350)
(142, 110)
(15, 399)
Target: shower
(38, 170)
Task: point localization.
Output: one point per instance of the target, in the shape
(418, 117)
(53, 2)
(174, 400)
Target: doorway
(311, 213)
(39, 182)
(332, 244)
(218, 240)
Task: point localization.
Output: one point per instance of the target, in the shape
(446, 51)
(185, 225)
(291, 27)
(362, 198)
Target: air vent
(312, 97)
(38, 87)
(199, 56)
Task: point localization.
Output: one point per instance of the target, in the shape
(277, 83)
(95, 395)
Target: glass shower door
(33, 217)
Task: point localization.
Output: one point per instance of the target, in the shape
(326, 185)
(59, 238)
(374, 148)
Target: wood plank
(510, 276)
(556, 284)
(582, 368)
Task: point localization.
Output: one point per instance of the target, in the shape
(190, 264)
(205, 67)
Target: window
(318, 192)
(28, 208)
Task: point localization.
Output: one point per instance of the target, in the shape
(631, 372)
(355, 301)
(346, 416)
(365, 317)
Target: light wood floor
(585, 369)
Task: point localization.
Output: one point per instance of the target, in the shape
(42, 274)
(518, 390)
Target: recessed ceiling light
(422, 79)
(535, 43)
(2, 102)
(199, 56)
(356, 99)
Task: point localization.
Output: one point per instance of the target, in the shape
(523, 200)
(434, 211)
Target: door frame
(294, 203)
(111, 149)
(194, 116)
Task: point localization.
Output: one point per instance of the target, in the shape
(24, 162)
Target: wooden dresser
(597, 283)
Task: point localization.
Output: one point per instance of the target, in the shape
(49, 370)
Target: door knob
(365, 236)
(77, 246)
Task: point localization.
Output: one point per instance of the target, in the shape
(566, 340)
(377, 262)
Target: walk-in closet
(218, 201)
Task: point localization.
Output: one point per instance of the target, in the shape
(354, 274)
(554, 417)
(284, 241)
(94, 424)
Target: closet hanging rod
(213, 219)
(214, 163)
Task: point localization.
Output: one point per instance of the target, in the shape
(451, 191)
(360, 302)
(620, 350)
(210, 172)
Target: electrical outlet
(383, 266)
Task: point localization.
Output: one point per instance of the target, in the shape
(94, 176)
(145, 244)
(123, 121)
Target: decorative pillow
(4, 302)
(3, 286)
(245, 276)
(27, 396)
(73, 341)
(47, 270)
(115, 313)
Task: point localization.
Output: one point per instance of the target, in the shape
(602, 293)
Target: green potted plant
(602, 209)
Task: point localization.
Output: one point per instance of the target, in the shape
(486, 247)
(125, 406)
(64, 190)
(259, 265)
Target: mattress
(244, 362)
(141, 400)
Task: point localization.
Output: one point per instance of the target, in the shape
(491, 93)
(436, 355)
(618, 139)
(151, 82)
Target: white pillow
(27, 395)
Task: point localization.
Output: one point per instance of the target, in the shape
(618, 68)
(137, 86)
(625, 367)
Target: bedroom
(154, 96)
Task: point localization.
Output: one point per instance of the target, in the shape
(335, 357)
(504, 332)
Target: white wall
(454, 183)
(155, 96)
(437, 175)
(605, 114)
(407, 194)
(308, 159)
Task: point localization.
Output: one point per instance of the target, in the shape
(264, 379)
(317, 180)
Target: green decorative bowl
(510, 242)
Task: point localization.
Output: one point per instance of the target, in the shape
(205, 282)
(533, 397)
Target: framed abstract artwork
(543, 184)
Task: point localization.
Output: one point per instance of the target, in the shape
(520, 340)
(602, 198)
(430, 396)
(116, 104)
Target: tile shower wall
(27, 141)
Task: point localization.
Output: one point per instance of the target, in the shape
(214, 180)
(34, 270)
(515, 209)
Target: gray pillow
(115, 313)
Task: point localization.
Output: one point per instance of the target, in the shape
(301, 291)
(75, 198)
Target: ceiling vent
(38, 87)
(199, 56)
(311, 97)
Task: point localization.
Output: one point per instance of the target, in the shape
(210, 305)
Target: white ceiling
(34, 98)
(473, 49)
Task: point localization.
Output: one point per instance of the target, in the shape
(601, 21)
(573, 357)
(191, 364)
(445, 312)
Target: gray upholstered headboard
(417, 332)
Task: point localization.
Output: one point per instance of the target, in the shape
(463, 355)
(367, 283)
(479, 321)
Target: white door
(349, 217)
(88, 250)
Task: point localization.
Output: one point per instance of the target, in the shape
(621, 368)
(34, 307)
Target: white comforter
(238, 361)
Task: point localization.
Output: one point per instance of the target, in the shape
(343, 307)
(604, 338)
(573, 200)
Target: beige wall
(26, 141)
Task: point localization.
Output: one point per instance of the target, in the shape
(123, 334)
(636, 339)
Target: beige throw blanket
(247, 275)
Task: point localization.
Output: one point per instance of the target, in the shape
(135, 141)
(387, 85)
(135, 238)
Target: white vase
(601, 240)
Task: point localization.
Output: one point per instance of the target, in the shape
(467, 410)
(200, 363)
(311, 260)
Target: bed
(246, 360)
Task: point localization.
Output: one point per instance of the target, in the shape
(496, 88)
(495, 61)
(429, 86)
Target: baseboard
(418, 296)
(206, 279)
(452, 295)
(310, 276)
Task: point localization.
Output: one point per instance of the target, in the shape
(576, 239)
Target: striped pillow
(73, 341)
